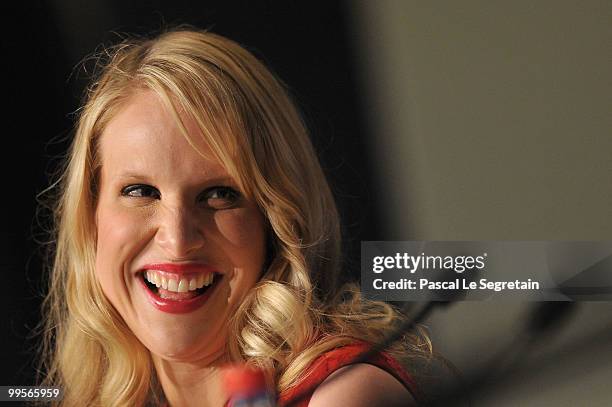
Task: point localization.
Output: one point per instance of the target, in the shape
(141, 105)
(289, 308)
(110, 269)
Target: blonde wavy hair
(295, 312)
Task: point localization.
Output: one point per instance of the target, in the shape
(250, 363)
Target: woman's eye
(140, 191)
(221, 197)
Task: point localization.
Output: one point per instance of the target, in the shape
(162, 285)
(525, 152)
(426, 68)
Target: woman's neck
(187, 384)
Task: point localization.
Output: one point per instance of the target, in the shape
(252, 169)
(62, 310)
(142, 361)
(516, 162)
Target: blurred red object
(246, 386)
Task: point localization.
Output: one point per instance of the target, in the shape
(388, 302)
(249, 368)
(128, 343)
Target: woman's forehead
(145, 135)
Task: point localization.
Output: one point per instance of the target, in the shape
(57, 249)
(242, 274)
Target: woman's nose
(179, 232)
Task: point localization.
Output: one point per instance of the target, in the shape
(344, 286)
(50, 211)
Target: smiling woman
(195, 228)
(168, 217)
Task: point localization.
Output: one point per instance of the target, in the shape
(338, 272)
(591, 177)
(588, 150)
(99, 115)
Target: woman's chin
(182, 345)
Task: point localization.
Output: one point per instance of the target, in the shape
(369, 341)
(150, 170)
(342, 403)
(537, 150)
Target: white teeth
(200, 281)
(182, 285)
(172, 285)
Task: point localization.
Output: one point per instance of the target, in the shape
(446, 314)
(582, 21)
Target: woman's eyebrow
(131, 175)
(220, 180)
(213, 180)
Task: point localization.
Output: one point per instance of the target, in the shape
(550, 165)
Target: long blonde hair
(294, 313)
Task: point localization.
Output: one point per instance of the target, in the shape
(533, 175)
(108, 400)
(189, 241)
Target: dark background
(491, 122)
(307, 46)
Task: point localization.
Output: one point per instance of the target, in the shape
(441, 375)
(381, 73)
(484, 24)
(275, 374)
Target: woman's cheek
(117, 238)
(241, 227)
(242, 239)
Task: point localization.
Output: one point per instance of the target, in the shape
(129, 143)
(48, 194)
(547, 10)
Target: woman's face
(166, 216)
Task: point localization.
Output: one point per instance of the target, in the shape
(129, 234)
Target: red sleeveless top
(337, 358)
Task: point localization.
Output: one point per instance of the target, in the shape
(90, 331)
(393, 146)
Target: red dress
(337, 358)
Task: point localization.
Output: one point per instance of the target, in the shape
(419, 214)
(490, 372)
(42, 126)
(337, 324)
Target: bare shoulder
(361, 385)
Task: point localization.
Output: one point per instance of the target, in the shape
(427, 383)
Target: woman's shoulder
(360, 385)
(335, 379)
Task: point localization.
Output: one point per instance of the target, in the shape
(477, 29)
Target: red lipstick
(181, 269)
(174, 306)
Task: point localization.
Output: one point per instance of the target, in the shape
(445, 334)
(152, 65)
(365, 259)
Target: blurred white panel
(491, 119)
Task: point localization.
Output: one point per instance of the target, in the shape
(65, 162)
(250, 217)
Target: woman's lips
(173, 295)
(178, 306)
(170, 300)
(180, 268)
